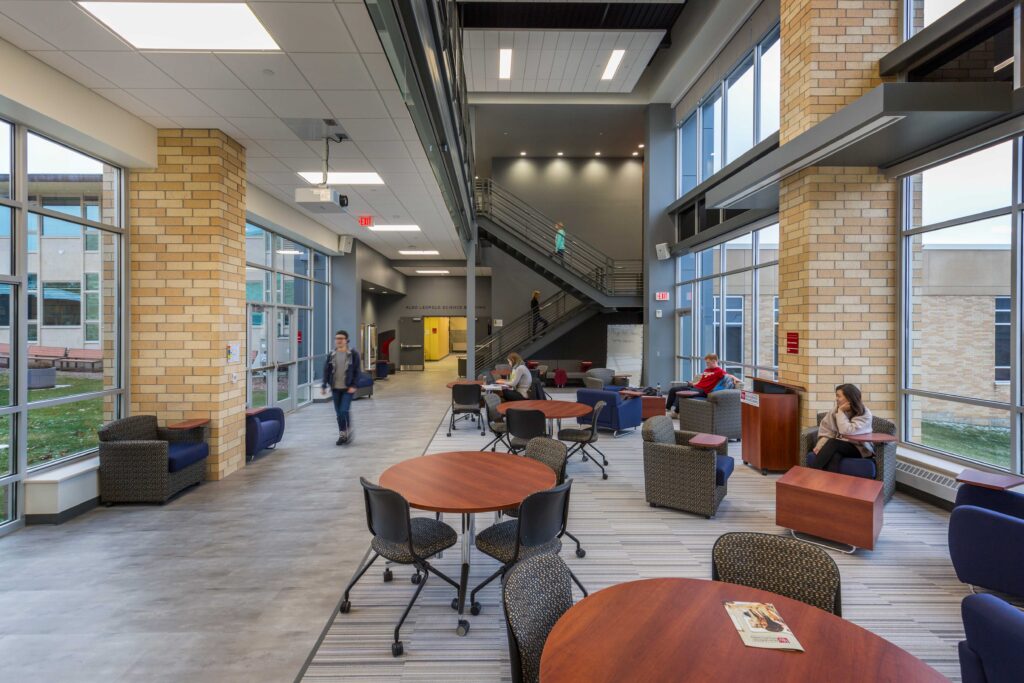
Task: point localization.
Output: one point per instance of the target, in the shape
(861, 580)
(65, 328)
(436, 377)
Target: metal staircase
(528, 235)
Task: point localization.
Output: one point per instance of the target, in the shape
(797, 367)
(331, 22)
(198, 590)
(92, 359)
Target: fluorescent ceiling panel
(613, 65)
(395, 228)
(505, 63)
(184, 25)
(342, 178)
(418, 252)
(434, 272)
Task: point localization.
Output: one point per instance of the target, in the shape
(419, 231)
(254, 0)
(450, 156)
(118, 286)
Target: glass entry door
(273, 355)
(261, 368)
(285, 357)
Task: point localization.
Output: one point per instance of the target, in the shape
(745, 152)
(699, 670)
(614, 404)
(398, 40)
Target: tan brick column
(187, 278)
(839, 227)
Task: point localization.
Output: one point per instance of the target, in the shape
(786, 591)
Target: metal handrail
(608, 275)
(520, 331)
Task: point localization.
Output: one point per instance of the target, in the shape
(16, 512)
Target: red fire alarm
(793, 342)
(366, 221)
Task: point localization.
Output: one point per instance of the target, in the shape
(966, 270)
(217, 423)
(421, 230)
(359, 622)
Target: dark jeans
(536, 321)
(342, 401)
(832, 452)
(672, 399)
(508, 394)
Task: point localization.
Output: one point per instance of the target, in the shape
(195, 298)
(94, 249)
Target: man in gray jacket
(340, 374)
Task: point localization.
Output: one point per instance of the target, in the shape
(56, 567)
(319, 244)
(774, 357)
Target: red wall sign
(300, 336)
(366, 221)
(792, 342)
(661, 296)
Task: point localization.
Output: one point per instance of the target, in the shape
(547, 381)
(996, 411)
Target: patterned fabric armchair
(681, 476)
(882, 467)
(536, 592)
(719, 413)
(143, 463)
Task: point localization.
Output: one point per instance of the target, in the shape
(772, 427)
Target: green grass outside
(63, 430)
(985, 444)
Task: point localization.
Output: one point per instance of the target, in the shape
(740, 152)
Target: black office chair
(581, 438)
(537, 592)
(496, 421)
(542, 519)
(523, 425)
(465, 401)
(536, 391)
(402, 540)
(553, 454)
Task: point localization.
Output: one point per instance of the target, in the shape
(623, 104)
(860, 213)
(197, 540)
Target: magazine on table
(760, 625)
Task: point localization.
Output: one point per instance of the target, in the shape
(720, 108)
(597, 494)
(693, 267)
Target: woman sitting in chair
(847, 416)
(519, 381)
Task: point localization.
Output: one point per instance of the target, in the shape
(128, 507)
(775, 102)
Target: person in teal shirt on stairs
(560, 242)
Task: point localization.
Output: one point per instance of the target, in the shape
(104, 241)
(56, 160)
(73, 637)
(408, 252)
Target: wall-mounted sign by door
(793, 342)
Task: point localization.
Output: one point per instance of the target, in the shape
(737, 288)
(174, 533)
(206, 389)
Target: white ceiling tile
(295, 148)
(160, 122)
(301, 164)
(269, 164)
(334, 71)
(19, 36)
(371, 129)
(265, 72)
(360, 27)
(285, 179)
(339, 150)
(263, 129)
(395, 166)
(234, 103)
(172, 102)
(354, 103)
(125, 69)
(214, 122)
(305, 27)
(294, 103)
(407, 130)
(383, 149)
(73, 69)
(63, 24)
(195, 70)
(380, 69)
(128, 102)
(395, 103)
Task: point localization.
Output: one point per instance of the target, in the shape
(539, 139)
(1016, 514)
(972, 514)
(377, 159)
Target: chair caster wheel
(345, 607)
(455, 604)
(463, 627)
(604, 475)
(581, 553)
(416, 578)
(474, 609)
(449, 434)
(764, 473)
(396, 649)
(654, 505)
(388, 576)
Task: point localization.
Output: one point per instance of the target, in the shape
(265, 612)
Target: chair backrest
(536, 593)
(526, 424)
(387, 514)
(542, 371)
(593, 383)
(536, 390)
(487, 377)
(466, 394)
(134, 428)
(778, 564)
(503, 366)
(659, 429)
(492, 402)
(542, 515)
(995, 639)
(550, 452)
(606, 375)
(880, 425)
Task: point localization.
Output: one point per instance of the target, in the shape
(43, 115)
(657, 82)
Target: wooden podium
(771, 426)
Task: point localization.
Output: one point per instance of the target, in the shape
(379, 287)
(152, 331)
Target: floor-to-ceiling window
(60, 305)
(727, 298)
(921, 13)
(287, 294)
(959, 300)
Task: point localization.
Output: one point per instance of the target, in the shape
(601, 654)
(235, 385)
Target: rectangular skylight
(418, 252)
(613, 65)
(342, 178)
(395, 228)
(433, 272)
(184, 25)
(505, 63)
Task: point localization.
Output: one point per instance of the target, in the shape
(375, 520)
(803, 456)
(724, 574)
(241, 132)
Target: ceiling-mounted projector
(320, 200)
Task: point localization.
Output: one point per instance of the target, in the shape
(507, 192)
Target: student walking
(535, 310)
(340, 374)
(560, 242)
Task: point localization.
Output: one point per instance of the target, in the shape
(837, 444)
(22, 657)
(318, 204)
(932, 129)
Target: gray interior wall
(512, 284)
(434, 296)
(659, 193)
(374, 268)
(599, 200)
(346, 312)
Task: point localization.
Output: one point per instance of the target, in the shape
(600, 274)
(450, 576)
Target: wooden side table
(829, 505)
(189, 424)
(708, 441)
(997, 481)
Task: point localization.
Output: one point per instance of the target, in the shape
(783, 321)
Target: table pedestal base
(468, 538)
(824, 543)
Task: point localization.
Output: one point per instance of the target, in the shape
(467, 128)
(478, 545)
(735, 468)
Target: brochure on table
(760, 625)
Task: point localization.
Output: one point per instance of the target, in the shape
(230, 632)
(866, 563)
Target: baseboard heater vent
(936, 483)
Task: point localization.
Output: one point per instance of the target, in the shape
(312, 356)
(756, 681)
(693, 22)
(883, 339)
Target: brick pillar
(187, 278)
(839, 227)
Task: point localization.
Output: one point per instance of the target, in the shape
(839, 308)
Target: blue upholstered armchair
(263, 430)
(986, 539)
(619, 413)
(994, 649)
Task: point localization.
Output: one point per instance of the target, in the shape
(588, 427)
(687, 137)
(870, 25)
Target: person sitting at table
(519, 380)
(702, 385)
(848, 416)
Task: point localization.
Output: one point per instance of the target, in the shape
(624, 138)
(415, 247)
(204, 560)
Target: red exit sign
(366, 221)
(661, 296)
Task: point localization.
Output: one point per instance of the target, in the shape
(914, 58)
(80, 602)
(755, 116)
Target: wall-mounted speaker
(663, 252)
(344, 244)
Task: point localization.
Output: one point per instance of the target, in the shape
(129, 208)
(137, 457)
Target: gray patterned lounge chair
(681, 476)
(882, 467)
(719, 414)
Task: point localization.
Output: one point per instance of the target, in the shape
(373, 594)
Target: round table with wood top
(678, 630)
(553, 410)
(467, 482)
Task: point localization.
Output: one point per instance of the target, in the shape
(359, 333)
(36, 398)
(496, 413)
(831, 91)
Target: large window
(728, 305)
(921, 13)
(60, 296)
(738, 112)
(958, 386)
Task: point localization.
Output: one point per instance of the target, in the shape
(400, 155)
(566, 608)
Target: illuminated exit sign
(366, 221)
(661, 296)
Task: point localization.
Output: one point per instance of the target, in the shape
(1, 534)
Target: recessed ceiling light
(341, 178)
(641, 145)
(383, 291)
(395, 228)
(613, 65)
(369, 287)
(184, 25)
(559, 153)
(505, 63)
(597, 154)
(522, 154)
(433, 272)
(636, 154)
(418, 252)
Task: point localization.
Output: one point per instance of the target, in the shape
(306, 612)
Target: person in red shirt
(702, 384)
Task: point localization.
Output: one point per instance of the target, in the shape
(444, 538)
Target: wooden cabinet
(771, 426)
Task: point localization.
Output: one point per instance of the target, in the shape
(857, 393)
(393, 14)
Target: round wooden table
(678, 630)
(467, 482)
(553, 410)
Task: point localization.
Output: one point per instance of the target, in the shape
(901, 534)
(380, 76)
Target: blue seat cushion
(181, 454)
(269, 430)
(723, 469)
(854, 467)
(364, 379)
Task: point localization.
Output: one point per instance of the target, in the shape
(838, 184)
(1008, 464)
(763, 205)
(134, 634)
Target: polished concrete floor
(232, 581)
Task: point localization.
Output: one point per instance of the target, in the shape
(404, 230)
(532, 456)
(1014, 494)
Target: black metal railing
(519, 332)
(615, 277)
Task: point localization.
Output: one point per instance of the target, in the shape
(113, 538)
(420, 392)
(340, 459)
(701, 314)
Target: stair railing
(520, 331)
